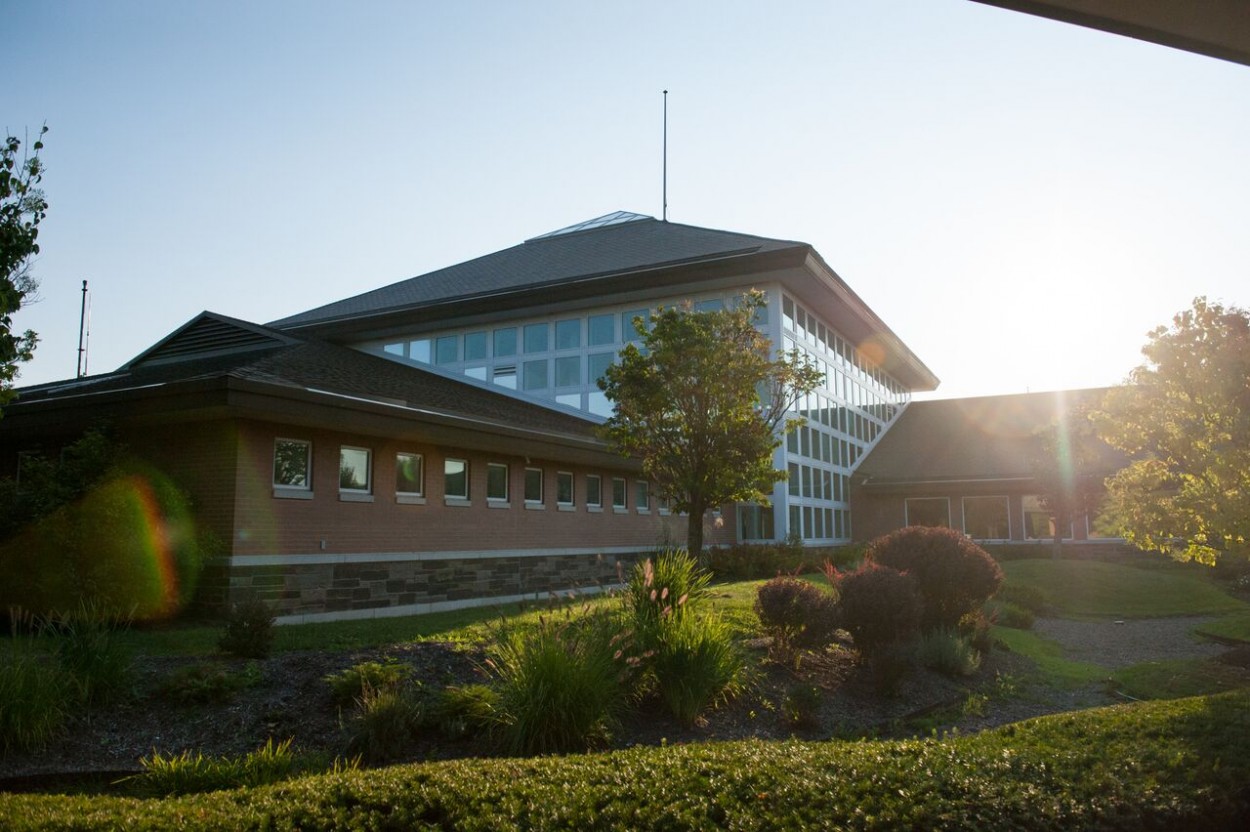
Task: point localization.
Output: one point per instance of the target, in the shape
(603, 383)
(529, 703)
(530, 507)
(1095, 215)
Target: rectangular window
(420, 350)
(569, 371)
(618, 492)
(564, 488)
(534, 374)
(569, 334)
(447, 350)
(642, 499)
(292, 463)
(986, 518)
(598, 364)
(505, 377)
(497, 482)
(354, 469)
(601, 330)
(928, 511)
(536, 338)
(793, 479)
(474, 346)
(594, 490)
(409, 474)
(714, 305)
(630, 331)
(533, 485)
(456, 479)
(1038, 523)
(505, 342)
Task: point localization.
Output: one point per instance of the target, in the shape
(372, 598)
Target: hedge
(1180, 764)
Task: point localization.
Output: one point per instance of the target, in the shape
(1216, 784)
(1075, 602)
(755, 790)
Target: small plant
(1009, 615)
(188, 773)
(88, 649)
(1024, 596)
(386, 722)
(947, 652)
(801, 706)
(796, 614)
(206, 682)
(880, 607)
(671, 581)
(37, 697)
(953, 575)
(461, 710)
(350, 684)
(249, 630)
(696, 665)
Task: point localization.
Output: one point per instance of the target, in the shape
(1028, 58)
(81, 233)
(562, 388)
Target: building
(431, 443)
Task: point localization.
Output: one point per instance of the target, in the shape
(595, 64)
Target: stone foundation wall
(304, 589)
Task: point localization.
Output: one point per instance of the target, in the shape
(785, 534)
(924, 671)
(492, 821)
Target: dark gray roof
(599, 251)
(284, 361)
(984, 438)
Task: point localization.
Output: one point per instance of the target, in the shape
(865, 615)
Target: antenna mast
(664, 215)
(82, 334)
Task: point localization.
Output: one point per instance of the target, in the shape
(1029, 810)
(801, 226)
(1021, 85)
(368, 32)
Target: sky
(1020, 200)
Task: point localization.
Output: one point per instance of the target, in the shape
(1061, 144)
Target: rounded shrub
(248, 633)
(797, 613)
(954, 575)
(880, 607)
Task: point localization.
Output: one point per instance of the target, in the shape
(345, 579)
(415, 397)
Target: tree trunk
(694, 528)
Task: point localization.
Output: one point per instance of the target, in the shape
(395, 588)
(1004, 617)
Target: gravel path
(1115, 644)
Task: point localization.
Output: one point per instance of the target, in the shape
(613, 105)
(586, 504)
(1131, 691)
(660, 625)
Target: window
(447, 349)
(506, 377)
(642, 501)
(630, 331)
(536, 338)
(474, 346)
(534, 374)
(598, 364)
(409, 474)
(755, 522)
(420, 350)
(354, 470)
(505, 342)
(456, 479)
(601, 329)
(568, 334)
(497, 482)
(568, 371)
(533, 485)
(985, 518)
(292, 463)
(618, 493)
(928, 511)
(564, 488)
(594, 490)
(394, 349)
(1038, 524)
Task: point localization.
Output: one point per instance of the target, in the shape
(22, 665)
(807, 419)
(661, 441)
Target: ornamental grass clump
(385, 724)
(37, 697)
(350, 684)
(948, 652)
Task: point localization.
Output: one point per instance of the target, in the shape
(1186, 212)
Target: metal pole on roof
(664, 214)
(82, 329)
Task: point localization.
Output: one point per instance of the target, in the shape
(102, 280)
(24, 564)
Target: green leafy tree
(702, 403)
(22, 208)
(1185, 420)
(1069, 466)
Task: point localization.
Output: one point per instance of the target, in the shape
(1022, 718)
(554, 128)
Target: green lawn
(1053, 667)
(1235, 627)
(1093, 589)
(1178, 678)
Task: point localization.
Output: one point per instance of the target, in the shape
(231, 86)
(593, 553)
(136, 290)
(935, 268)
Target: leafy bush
(459, 710)
(1025, 596)
(37, 697)
(880, 607)
(801, 706)
(385, 723)
(954, 575)
(248, 632)
(350, 684)
(559, 687)
(796, 613)
(948, 652)
(206, 682)
(696, 665)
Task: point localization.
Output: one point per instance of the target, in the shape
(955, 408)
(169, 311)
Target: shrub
(206, 682)
(796, 613)
(947, 652)
(801, 707)
(1025, 596)
(696, 665)
(89, 651)
(880, 607)
(459, 710)
(558, 685)
(37, 698)
(249, 630)
(385, 724)
(976, 628)
(1009, 615)
(347, 686)
(954, 575)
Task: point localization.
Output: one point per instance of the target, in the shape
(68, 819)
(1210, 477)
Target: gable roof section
(970, 440)
(210, 334)
(558, 259)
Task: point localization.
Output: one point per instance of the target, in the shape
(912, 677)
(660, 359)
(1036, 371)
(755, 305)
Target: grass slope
(1175, 764)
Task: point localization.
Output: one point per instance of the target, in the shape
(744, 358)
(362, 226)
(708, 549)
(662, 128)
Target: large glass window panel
(629, 331)
(536, 338)
(568, 334)
(446, 349)
(505, 342)
(568, 371)
(534, 374)
(597, 365)
(928, 511)
(421, 350)
(474, 346)
(598, 404)
(986, 518)
(601, 330)
(506, 377)
(793, 479)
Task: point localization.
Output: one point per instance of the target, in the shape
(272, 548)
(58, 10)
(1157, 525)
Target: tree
(702, 403)
(22, 208)
(1069, 466)
(1184, 418)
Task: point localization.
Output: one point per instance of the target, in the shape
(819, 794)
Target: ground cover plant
(1172, 764)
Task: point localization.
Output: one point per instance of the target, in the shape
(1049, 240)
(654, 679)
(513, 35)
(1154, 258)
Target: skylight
(615, 218)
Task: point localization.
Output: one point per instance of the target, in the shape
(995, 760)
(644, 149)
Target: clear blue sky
(1020, 200)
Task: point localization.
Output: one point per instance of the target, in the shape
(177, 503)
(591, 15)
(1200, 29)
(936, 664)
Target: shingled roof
(968, 440)
(629, 243)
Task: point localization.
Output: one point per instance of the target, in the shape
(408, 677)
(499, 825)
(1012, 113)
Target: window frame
(293, 489)
(642, 496)
(563, 477)
(347, 492)
(401, 495)
(531, 502)
(622, 504)
(597, 503)
(507, 484)
(448, 496)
